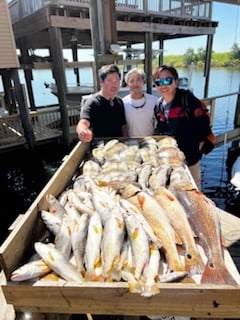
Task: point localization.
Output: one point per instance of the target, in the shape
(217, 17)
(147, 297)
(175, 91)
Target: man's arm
(83, 131)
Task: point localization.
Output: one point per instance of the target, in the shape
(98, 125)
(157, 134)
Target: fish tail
(194, 264)
(218, 275)
(150, 290)
(93, 277)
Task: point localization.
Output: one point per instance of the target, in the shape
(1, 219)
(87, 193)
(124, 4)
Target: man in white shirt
(138, 105)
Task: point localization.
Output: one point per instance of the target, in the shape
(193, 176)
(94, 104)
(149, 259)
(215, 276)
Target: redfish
(159, 222)
(178, 219)
(203, 217)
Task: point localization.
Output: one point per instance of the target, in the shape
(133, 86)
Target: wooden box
(179, 299)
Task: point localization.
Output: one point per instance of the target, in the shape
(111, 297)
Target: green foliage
(221, 59)
(235, 53)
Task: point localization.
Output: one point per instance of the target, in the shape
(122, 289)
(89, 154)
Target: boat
(190, 299)
(74, 94)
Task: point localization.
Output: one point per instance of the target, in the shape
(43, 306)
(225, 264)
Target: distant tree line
(229, 59)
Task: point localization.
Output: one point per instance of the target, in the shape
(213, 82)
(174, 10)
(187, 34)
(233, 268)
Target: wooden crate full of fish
(122, 229)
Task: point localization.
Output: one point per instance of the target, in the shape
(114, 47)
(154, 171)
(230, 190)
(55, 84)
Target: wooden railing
(46, 124)
(191, 9)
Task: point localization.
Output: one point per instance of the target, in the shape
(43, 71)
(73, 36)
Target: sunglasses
(163, 82)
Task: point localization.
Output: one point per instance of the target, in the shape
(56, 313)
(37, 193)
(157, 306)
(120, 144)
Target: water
(23, 175)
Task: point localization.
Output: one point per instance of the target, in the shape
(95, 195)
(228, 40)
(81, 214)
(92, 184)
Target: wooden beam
(207, 64)
(148, 60)
(131, 26)
(59, 75)
(109, 19)
(70, 22)
(229, 136)
(38, 21)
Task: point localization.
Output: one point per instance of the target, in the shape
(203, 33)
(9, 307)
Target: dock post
(25, 59)
(148, 60)
(26, 123)
(103, 30)
(237, 111)
(60, 78)
(74, 47)
(208, 63)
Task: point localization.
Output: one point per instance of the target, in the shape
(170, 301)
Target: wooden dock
(45, 123)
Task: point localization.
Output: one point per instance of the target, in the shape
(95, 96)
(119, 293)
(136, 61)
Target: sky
(227, 32)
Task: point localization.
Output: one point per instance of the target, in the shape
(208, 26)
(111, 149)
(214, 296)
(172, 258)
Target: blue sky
(227, 32)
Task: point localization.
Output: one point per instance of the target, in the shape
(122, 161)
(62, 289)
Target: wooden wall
(8, 55)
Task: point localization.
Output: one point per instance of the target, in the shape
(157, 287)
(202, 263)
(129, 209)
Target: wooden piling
(60, 78)
(237, 111)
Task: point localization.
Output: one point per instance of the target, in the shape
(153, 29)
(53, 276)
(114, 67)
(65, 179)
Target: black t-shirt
(106, 117)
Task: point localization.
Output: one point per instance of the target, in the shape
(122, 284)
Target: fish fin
(178, 240)
(135, 233)
(224, 241)
(218, 275)
(83, 273)
(116, 262)
(135, 287)
(150, 290)
(172, 277)
(194, 264)
(93, 277)
(116, 184)
(107, 278)
(51, 277)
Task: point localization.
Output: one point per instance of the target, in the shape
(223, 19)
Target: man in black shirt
(103, 114)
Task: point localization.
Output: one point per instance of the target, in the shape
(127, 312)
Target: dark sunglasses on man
(163, 82)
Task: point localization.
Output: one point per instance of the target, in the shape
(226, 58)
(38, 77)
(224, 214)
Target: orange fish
(178, 219)
(159, 222)
(203, 217)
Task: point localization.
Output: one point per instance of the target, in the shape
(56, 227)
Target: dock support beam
(74, 47)
(60, 78)
(148, 60)
(103, 30)
(237, 111)
(27, 73)
(208, 64)
(161, 48)
(24, 113)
